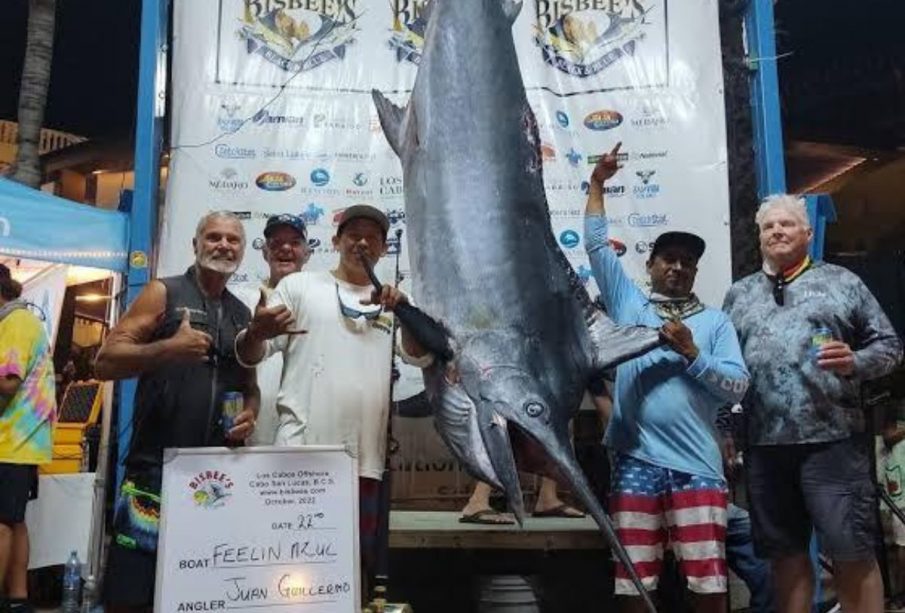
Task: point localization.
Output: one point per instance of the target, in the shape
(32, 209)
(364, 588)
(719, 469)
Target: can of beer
(233, 403)
(819, 338)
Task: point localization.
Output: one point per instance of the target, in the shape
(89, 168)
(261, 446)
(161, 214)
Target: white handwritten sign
(259, 528)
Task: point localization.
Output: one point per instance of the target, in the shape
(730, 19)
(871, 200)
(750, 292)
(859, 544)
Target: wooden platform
(442, 530)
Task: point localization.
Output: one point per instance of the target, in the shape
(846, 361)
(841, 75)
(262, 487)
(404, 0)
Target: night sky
(95, 65)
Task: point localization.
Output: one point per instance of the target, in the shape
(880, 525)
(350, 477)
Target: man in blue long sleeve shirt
(668, 483)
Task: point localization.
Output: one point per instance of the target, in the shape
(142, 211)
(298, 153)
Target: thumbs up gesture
(270, 322)
(188, 344)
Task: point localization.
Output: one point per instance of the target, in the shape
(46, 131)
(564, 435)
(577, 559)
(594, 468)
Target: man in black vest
(178, 338)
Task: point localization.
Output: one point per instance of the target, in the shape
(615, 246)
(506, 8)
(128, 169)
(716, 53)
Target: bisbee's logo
(298, 35)
(275, 181)
(211, 488)
(407, 33)
(584, 37)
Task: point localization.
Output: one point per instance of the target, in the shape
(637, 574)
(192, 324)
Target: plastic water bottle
(72, 577)
(88, 595)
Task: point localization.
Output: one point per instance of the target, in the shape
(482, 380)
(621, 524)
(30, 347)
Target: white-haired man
(810, 332)
(178, 337)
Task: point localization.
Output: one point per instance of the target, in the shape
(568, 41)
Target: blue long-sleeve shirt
(665, 409)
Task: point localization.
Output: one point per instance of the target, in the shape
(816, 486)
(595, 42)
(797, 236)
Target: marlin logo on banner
(583, 39)
(297, 39)
(409, 23)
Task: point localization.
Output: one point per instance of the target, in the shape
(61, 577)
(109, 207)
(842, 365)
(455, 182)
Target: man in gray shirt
(810, 332)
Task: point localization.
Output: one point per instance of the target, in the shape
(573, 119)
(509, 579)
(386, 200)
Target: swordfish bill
(525, 337)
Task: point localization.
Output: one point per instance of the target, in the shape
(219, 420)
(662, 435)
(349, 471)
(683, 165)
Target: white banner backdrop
(272, 113)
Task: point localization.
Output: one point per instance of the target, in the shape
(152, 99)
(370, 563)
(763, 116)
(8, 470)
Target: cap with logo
(694, 243)
(365, 211)
(285, 219)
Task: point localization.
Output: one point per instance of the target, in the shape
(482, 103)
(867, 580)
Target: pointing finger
(615, 150)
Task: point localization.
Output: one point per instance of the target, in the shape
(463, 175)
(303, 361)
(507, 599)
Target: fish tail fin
(391, 120)
(512, 8)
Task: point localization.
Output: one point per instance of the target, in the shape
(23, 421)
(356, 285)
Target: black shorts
(129, 580)
(18, 485)
(824, 486)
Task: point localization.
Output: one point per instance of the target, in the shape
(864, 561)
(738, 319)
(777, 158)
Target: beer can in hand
(233, 403)
(821, 337)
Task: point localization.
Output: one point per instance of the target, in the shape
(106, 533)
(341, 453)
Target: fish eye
(534, 409)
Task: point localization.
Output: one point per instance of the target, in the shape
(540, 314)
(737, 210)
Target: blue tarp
(38, 226)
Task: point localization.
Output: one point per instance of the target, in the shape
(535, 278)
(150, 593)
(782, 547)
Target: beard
(219, 265)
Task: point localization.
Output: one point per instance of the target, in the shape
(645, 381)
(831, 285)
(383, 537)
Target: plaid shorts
(654, 507)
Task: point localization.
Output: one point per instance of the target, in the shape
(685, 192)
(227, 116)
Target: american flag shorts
(654, 507)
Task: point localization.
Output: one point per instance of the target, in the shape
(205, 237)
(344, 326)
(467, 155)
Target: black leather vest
(180, 404)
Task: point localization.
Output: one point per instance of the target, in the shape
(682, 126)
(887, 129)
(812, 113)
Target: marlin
(525, 337)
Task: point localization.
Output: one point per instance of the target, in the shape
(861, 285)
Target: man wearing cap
(811, 332)
(335, 335)
(668, 484)
(285, 250)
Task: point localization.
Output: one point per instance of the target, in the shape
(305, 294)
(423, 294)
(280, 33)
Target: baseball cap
(366, 211)
(694, 243)
(285, 219)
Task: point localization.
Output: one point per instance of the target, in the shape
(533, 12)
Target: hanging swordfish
(525, 337)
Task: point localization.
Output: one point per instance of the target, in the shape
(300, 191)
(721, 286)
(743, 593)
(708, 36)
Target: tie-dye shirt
(26, 421)
(791, 400)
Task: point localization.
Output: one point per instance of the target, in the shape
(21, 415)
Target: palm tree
(33, 90)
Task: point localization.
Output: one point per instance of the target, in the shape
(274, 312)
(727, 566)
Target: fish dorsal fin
(392, 120)
(511, 8)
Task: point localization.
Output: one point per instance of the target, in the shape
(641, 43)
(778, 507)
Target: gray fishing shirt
(790, 400)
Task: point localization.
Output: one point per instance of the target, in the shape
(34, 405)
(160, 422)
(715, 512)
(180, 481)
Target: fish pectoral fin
(613, 344)
(512, 8)
(392, 120)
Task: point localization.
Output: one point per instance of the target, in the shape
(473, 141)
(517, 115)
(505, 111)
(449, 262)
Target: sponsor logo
(618, 246)
(313, 243)
(643, 247)
(645, 175)
(407, 32)
(394, 245)
(320, 177)
(584, 273)
(243, 215)
(625, 156)
(137, 259)
(298, 35)
(312, 214)
(228, 118)
(603, 120)
(648, 220)
(609, 191)
(321, 121)
(574, 158)
(577, 213)
(548, 153)
(585, 37)
(228, 181)
(222, 150)
(569, 239)
(647, 189)
(396, 216)
(264, 118)
(390, 186)
(566, 186)
(210, 488)
(649, 116)
(562, 119)
(269, 153)
(360, 179)
(275, 181)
